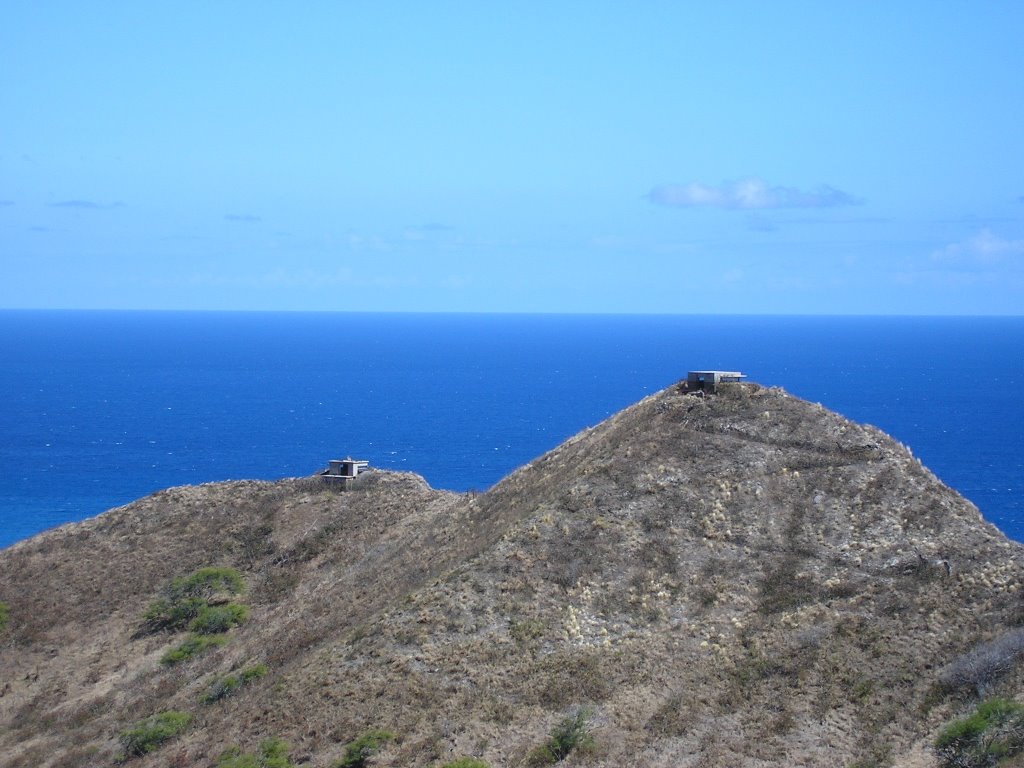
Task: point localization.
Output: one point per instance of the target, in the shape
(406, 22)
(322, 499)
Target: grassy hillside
(744, 579)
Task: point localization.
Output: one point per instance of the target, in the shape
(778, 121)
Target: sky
(648, 157)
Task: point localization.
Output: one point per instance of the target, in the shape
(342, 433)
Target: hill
(742, 579)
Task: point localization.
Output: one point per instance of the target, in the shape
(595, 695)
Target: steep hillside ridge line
(745, 579)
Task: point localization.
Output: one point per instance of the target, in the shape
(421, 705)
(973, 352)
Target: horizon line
(523, 313)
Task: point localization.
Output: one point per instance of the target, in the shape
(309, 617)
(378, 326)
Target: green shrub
(188, 597)
(221, 688)
(5, 616)
(274, 753)
(224, 686)
(165, 613)
(232, 757)
(215, 619)
(193, 646)
(363, 748)
(466, 762)
(525, 630)
(992, 733)
(207, 582)
(571, 733)
(148, 734)
(253, 673)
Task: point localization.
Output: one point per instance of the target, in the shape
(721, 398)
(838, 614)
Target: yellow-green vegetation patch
(151, 733)
(359, 751)
(525, 630)
(198, 602)
(227, 685)
(5, 616)
(274, 753)
(992, 733)
(466, 762)
(214, 619)
(194, 645)
(571, 733)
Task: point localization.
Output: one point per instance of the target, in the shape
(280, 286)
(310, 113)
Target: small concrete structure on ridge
(708, 381)
(343, 470)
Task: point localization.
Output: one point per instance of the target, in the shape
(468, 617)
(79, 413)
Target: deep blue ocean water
(100, 408)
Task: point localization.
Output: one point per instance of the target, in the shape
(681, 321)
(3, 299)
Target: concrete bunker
(708, 381)
(343, 471)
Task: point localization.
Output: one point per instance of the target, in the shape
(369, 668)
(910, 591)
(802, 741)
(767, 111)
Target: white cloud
(86, 205)
(418, 232)
(733, 275)
(985, 247)
(456, 282)
(748, 194)
(760, 224)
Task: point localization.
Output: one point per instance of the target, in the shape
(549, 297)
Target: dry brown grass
(743, 580)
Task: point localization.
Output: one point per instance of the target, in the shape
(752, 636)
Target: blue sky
(525, 157)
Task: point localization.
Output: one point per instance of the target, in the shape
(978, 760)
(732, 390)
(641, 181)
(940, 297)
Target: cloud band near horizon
(748, 194)
(85, 205)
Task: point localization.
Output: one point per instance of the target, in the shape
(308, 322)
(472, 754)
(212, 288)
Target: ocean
(100, 408)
